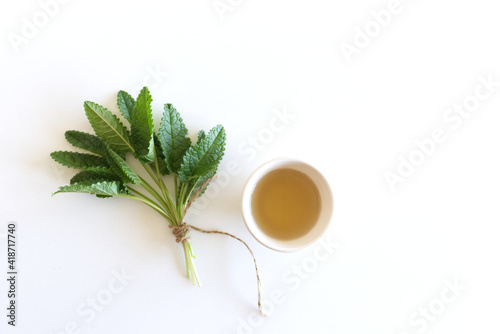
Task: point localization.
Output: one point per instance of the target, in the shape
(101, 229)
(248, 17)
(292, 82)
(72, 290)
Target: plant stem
(176, 190)
(162, 185)
(150, 203)
(139, 193)
(190, 267)
(157, 196)
(172, 212)
(166, 200)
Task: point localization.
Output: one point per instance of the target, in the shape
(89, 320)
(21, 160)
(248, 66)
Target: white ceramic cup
(323, 219)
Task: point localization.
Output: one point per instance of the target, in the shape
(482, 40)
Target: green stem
(147, 198)
(166, 200)
(155, 194)
(191, 192)
(176, 190)
(149, 172)
(172, 212)
(182, 199)
(150, 203)
(186, 257)
(162, 185)
(139, 193)
(190, 267)
(191, 272)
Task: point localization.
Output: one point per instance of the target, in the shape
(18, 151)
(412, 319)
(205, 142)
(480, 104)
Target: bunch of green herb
(104, 171)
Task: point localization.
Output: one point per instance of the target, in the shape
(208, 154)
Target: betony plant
(105, 172)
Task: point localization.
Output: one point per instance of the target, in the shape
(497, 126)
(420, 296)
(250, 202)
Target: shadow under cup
(324, 216)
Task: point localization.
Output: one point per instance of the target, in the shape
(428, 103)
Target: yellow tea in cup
(285, 204)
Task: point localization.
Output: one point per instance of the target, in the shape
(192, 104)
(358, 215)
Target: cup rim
(251, 224)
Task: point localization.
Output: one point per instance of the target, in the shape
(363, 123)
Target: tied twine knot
(181, 234)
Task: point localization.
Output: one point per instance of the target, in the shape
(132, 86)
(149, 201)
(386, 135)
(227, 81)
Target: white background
(352, 120)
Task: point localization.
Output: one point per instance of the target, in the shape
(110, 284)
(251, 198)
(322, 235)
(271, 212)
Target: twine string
(181, 234)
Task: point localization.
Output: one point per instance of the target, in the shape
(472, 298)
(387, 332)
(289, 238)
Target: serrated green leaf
(205, 156)
(108, 127)
(201, 135)
(162, 165)
(95, 176)
(120, 167)
(142, 127)
(124, 189)
(80, 160)
(103, 196)
(86, 141)
(173, 138)
(90, 177)
(196, 185)
(101, 188)
(126, 104)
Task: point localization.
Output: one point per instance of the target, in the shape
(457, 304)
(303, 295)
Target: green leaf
(96, 176)
(142, 127)
(205, 156)
(108, 127)
(103, 196)
(162, 165)
(173, 138)
(120, 167)
(126, 104)
(100, 188)
(80, 160)
(201, 135)
(200, 181)
(90, 177)
(86, 141)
